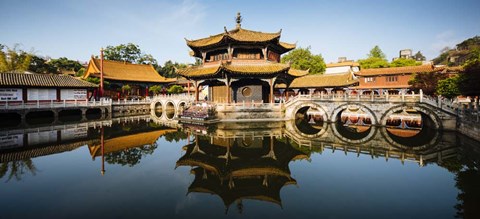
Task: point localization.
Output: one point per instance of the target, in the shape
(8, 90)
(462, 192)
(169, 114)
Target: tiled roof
(238, 34)
(42, 80)
(256, 69)
(122, 71)
(243, 69)
(330, 65)
(288, 46)
(199, 71)
(321, 80)
(128, 141)
(396, 70)
(297, 72)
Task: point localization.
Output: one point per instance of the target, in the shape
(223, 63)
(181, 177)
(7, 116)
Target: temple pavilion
(240, 65)
(138, 77)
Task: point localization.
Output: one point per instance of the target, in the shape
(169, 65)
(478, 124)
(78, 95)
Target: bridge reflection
(239, 161)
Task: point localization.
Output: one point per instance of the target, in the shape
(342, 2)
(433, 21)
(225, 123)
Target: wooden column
(271, 90)
(196, 90)
(228, 90)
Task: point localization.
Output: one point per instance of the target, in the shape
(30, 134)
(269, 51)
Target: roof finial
(239, 19)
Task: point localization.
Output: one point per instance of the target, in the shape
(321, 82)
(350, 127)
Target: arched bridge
(169, 106)
(377, 109)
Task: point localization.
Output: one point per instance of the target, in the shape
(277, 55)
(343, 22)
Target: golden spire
(239, 19)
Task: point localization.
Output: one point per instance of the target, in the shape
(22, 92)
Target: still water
(137, 167)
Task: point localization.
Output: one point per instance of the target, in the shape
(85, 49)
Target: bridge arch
(437, 122)
(339, 109)
(170, 109)
(417, 143)
(366, 137)
(312, 127)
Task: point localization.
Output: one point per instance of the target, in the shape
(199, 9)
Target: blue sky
(78, 29)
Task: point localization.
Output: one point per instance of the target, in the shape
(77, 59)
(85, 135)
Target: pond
(138, 167)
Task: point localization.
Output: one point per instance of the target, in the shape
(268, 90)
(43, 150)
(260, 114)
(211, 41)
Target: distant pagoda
(240, 65)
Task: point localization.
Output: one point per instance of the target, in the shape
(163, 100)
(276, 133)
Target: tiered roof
(323, 80)
(123, 71)
(257, 69)
(240, 35)
(258, 172)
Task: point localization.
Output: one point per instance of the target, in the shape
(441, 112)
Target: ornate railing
(53, 104)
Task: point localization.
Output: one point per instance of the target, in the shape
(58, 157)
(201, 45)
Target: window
(369, 79)
(392, 78)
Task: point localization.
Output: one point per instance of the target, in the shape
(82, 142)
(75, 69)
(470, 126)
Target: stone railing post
(421, 95)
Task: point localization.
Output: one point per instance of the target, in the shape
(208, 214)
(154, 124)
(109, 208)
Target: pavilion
(117, 73)
(240, 65)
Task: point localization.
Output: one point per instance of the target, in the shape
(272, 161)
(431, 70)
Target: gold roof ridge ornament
(239, 19)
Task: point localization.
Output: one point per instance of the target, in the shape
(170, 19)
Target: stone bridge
(377, 107)
(168, 107)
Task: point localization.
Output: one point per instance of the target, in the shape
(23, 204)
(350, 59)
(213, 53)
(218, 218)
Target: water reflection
(239, 162)
(250, 167)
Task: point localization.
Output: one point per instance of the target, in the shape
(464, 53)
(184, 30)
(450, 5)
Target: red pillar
(102, 144)
(196, 91)
(271, 90)
(101, 72)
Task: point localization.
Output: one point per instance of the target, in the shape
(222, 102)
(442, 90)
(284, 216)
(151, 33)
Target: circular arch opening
(40, 117)
(169, 110)
(70, 115)
(410, 127)
(94, 113)
(158, 109)
(353, 123)
(181, 107)
(310, 120)
(10, 120)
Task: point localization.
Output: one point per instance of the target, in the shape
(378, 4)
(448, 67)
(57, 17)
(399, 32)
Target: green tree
(14, 60)
(470, 77)
(419, 56)
(17, 168)
(168, 69)
(404, 62)
(131, 156)
(376, 52)
(80, 72)
(64, 63)
(175, 89)
(375, 59)
(130, 53)
(40, 65)
(448, 87)
(126, 88)
(427, 82)
(303, 59)
(156, 89)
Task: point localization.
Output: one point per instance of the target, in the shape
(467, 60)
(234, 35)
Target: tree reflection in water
(16, 169)
(466, 167)
(130, 156)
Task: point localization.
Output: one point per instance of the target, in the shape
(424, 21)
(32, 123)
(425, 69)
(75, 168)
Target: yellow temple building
(240, 65)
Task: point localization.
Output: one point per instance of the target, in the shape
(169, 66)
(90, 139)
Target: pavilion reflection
(240, 168)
